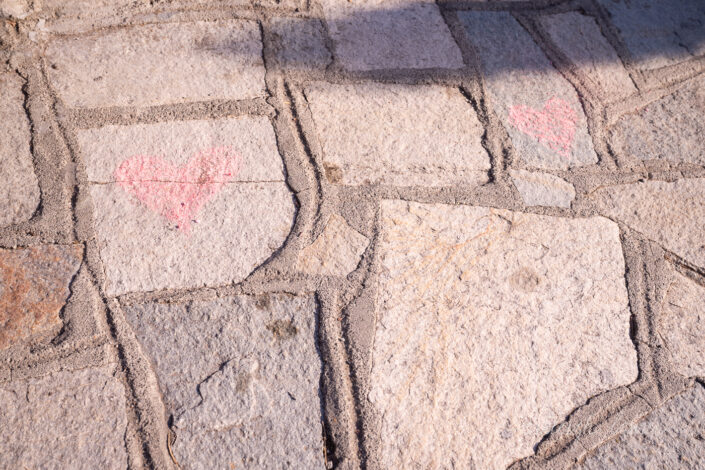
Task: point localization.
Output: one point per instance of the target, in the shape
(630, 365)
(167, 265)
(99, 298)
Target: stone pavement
(352, 234)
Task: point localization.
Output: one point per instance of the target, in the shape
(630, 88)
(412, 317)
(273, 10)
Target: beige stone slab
(159, 64)
(671, 437)
(580, 39)
(402, 135)
(337, 250)
(241, 378)
(682, 325)
(492, 326)
(64, 420)
(539, 108)
(542, 189)
(671, 214)
(390, 34)
(186, 204)
(34, 286)
(19, 191)
(671, 128)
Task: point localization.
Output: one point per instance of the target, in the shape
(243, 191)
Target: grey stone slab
(300, 43)
(492, 326)
(19, 191)
(542, 189)
(682, 325)
(403, 135)
(659, 33)
(539, 108)
(240, 377)
(186, 204)
(580, 39)
(158, 64)
(668, 213)
(336, 251)
(671, 128)
(390, 34)
(671, 437)
(34, 286)
(66, 419)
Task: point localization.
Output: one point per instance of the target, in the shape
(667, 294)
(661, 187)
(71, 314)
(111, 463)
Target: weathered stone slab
(401, 135)
(682, 325)
(159, 64)
(668, 129)
(671, 437)
(390, 34)
(186, 204)
(19, 191)
(240, 377)
(580, 39)
(14, 8)
(492, 326)
(337, 251)
(539, 108)
(668, 213)
(64, 420)
(34, 286)
(659, 33)
(542, 189)
(300, 43)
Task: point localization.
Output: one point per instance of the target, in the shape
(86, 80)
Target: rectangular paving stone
(492, 326)
(681, 324)
(34, 286)
(539, 108)
(240, 378)
(300, 43)
(159, 64)
(19, 191)
(542, 189)
(671, 128)
(580, 39)
(67, 419)
(668, 213)
(185, 204)
(390, 34)
(661, 33)
(403, 135)
(671, 437)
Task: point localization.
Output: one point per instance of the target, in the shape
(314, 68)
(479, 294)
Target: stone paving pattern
(352, 234)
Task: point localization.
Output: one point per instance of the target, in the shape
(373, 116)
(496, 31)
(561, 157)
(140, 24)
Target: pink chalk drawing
(178, 193)
(553, 126)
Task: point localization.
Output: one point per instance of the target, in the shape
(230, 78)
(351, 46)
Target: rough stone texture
(14, 8)
(659, 33)
(682, 325)
(156, 230)
(397, 135)
(64, 420)
(300, 43)
(542, 189)
(580, 39)
(337, 251)
(539, 108)
(159, 64)
(390, 34)
(669, 129)
(492, 326)
(34, 286)
(19, 192)
(671, 437)
(240, 377)
(81, 8)
(642, 206)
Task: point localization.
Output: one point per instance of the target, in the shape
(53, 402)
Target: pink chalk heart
(178, 193)
(553, 126)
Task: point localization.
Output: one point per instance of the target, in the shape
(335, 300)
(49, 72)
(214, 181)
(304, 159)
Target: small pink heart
(554, 126)
(178, 193)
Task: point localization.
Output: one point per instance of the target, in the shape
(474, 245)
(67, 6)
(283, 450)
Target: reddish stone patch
(34, 286)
